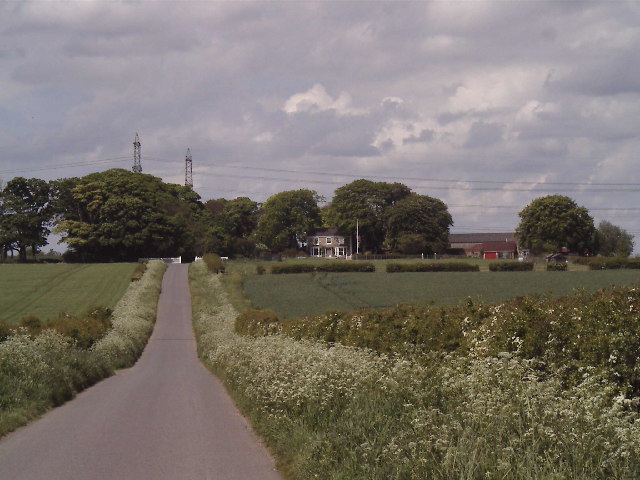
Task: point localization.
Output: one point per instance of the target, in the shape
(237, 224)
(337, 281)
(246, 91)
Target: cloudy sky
(486, 105)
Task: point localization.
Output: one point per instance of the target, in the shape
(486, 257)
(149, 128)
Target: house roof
(495, 247)
(481, 237)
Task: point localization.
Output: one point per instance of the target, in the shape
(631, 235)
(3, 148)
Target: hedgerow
(332, 411)
(40, 370)
(510, 266)
(432, 267)
(335, 267)
(609, 263)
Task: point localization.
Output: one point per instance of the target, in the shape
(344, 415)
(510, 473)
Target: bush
(611, 263)
(86, 329)
(432, 267)
(257, 323)
(511, 266)
(260, 269)
(138, 272)
(334, 267)
(292, 268)
(214, 262)
(557, 267)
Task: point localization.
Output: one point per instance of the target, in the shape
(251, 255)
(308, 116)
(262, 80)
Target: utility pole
(137, 155)
(188, 170)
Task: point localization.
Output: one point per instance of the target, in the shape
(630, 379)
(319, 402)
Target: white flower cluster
(360, 415)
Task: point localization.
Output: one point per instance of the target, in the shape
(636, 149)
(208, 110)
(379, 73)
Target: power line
(60, 166)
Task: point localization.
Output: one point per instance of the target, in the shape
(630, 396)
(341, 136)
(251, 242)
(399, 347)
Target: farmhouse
(485, 245)
(327, 242)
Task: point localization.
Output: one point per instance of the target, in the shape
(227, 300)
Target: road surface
(165, 418)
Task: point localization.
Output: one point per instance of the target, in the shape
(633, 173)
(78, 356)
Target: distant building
(485, 245)
(328, 242)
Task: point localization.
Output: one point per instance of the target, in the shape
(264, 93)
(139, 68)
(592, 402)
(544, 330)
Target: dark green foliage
(86, 329)
(418, 224)
(366, 203)
(432, 267)
(508, 266)
(609, 263)
(118, 215)
(25, 216)
(257, 323)
(286, 219)
(214, 263)
(336, 267)
(613, 240)
(553, 222)
(557, 267)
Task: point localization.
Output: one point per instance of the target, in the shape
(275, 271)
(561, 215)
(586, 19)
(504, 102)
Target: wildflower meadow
(333, 411)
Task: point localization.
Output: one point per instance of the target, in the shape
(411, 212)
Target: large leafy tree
(613, 240)
(121, 215)
(366, 204)
(555, 221)
(232, 223)
(418, 224)
(286, 218)
(25, 215)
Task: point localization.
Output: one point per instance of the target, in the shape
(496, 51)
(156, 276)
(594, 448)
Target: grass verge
(336, 412)
(38, 372)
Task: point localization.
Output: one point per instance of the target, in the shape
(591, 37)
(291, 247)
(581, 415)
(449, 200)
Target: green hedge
(214, 262)
(557, 267)
(335, 267)
(432, 267)
(611, 263)
(511, 266)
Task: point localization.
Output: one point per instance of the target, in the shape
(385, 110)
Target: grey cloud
(483, 134)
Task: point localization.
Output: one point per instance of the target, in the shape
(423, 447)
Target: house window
(315, 251)
(316, 240)
(328, 240)
(340, 251)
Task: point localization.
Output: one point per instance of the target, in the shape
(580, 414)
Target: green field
(45, 290)
(301, 294)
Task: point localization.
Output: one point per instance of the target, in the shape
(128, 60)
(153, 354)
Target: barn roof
(481, 237)
(495, 247)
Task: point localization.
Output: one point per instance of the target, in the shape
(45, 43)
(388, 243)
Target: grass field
(45, 290)
(300, 294)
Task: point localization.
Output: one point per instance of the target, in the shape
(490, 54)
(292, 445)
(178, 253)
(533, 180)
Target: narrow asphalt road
(165, 418)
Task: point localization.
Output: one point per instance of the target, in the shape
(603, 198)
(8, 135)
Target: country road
(165, 418)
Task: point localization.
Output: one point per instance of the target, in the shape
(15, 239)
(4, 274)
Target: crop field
(316, 293)
(44, 290)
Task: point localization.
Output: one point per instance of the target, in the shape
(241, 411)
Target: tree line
(118, 215)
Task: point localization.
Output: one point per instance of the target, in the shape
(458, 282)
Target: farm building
(485, 245)
(328, 242)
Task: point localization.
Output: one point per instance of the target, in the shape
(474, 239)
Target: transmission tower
(137, 166)
(188, 170)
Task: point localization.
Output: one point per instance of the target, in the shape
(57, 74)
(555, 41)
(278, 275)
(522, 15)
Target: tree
(286, 219)
(118, 215)
(232, 223)
(366, 203)
(555, 221)
(26, 214)
(613, 240)
(418, 224)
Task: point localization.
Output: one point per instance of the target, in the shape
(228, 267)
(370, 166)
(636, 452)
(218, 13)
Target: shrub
(138, 272)
(85, 329)
(260, 269)
(257, 323)
(432, 267)
(292, 268)
(511, 266)
(214, 262)
(334, 267)
(557, 267)
(611, 263)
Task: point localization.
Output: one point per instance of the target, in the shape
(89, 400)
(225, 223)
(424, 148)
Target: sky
(485, 105)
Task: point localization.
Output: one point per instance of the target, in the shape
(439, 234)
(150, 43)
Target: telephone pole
(137, 156)
(188, 170)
